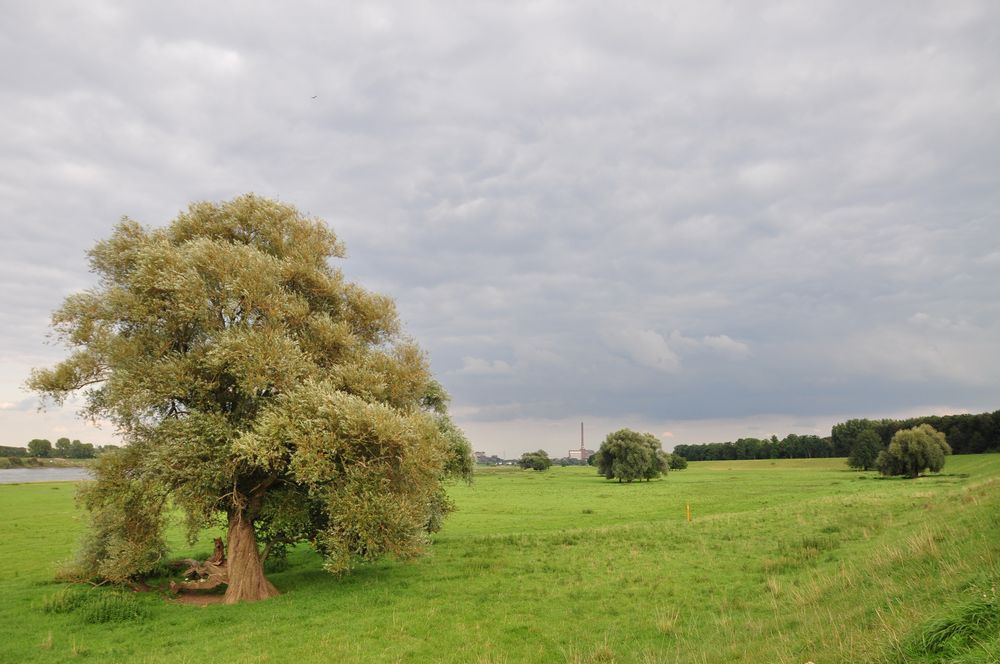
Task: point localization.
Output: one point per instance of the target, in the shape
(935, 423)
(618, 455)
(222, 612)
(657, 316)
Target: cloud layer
(657, 212)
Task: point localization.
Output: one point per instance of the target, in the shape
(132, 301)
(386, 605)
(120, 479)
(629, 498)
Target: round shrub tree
(677, 462)
(257, 390)
(535, 460)
(913, 451)
(628, 455)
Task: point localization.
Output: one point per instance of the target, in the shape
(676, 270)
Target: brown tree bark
(247, 582)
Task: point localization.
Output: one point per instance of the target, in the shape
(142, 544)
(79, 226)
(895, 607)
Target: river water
(19, 475)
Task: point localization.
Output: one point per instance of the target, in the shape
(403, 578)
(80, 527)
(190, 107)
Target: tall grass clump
(961, 628)
(66, 600)
(95, 606)
(113, 607)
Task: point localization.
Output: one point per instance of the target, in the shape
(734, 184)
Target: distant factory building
(583, 453)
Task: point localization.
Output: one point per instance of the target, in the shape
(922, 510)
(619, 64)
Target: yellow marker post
(689, 512)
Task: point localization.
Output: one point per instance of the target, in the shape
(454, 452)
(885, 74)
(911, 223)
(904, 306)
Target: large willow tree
(255, 388)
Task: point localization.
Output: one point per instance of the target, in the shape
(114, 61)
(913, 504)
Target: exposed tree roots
(205, 575)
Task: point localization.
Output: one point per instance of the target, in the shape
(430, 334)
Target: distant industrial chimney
(583, 453)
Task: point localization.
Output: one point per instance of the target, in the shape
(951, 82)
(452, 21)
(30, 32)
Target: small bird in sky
(314, 96)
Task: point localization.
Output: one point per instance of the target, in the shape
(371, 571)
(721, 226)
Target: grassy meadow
(784, 561)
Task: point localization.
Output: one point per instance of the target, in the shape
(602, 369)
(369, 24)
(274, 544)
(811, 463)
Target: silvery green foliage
(628, 455)
(912, 451)
(248, 377)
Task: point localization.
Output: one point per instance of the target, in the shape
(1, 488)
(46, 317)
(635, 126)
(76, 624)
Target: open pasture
(784, 561)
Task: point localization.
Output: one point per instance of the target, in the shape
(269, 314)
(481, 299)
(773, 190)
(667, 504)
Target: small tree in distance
(865, 450)
(912, 451)
(62, 449)
(677, 462)
(629, 455)
(39, 447)
(535, 460)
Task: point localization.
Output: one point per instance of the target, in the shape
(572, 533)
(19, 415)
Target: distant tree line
(493, 460)
(792, 446)
(64, 448)
(571, 461)
(966, 434)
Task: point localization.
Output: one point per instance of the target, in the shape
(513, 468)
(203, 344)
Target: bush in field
(865, 450)
(912, 451)
(535, 460)
(677, 462)
(629, 455)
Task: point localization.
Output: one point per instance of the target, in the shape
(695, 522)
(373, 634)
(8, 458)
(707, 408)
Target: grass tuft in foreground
(965, 631)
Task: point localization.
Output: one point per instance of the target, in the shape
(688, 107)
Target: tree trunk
(247, 582)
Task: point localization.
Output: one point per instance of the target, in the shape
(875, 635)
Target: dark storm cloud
(669, 210)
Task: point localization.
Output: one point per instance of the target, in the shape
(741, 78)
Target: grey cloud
(669, 210)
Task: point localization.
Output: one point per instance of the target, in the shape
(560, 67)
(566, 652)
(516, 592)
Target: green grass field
(784, 561)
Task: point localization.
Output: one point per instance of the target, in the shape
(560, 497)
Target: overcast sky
(699, 219)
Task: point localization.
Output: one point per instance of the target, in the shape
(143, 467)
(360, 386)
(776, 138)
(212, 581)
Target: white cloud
(720, 344)
(193, 56)
(924, 320)
(480, 367)
(766, 175)
(726, 346)
(992, 258)
(24, 405)
(644, 347)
